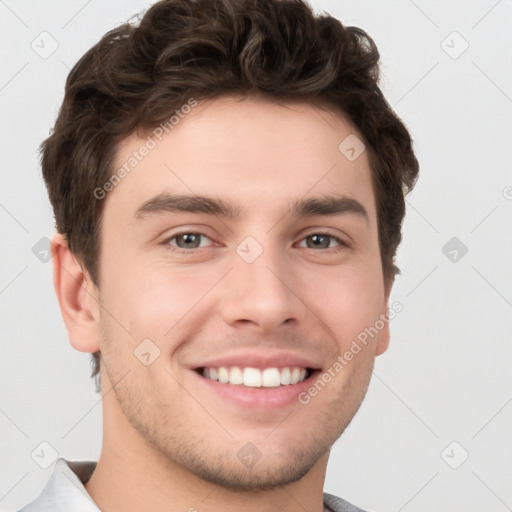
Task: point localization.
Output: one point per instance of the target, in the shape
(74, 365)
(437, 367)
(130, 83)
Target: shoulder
(334, 504)
(65, 489)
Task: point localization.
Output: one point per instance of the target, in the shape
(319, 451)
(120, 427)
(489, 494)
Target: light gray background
(446, 376)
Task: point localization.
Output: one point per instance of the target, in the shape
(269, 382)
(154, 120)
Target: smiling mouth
(255, 377)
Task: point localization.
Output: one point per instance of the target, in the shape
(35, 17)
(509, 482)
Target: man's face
(270, 289)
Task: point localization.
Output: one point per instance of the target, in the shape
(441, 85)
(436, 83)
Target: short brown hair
(136, 75)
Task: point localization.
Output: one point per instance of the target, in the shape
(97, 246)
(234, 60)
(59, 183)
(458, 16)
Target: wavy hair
(140, 72)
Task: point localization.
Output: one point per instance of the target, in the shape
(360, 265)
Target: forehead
(245, 150)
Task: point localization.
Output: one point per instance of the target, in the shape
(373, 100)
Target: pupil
(317, 238)
(189, 238)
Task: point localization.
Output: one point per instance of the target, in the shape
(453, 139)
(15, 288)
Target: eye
(187, 240)
(322, 241)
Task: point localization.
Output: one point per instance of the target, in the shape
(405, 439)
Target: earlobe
(77, 297)
(384, 335)
(383, 341)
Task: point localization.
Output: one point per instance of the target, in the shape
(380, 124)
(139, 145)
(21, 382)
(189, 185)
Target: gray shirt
(65, 491)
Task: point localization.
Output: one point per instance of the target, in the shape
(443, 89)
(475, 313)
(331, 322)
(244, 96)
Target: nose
(262, 292)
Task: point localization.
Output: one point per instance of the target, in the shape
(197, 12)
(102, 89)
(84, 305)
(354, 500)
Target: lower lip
(267, 398)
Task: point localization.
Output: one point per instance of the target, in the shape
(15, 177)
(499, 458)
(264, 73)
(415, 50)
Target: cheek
(348, 301)
(154, 300)
(150, 298)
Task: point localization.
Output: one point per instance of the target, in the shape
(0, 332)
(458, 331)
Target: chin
(263, 476)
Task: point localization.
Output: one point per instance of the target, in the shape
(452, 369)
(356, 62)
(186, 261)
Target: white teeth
(286, 376)
(270, 378)
(236, 376)
(254, 377)
(295, 376)
(223, 375)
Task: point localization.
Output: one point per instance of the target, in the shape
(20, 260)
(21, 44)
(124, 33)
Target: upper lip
(258, 359)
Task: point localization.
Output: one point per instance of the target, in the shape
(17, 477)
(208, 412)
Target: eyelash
(342, 245)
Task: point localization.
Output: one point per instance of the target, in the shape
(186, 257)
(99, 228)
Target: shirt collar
(65, 489)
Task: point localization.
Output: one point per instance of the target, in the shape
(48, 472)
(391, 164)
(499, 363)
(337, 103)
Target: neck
(132, 474)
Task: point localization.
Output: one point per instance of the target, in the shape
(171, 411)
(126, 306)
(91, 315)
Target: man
(228, 185)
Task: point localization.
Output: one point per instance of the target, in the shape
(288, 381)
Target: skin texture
(169, 440)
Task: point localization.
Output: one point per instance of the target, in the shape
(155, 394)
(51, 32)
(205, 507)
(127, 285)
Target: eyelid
(342, 243)
(326, 232)
(167, 240)
(342, 236)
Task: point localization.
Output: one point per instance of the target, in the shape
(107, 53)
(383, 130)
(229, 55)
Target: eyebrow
(309, 207)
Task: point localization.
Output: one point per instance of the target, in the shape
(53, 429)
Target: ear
(78, 297)
(383, 339)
